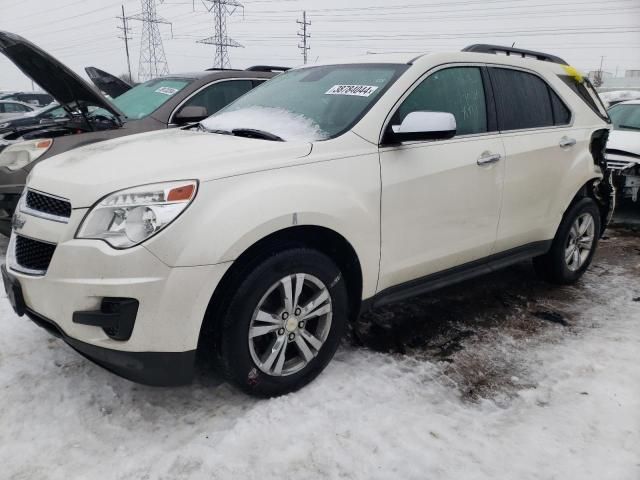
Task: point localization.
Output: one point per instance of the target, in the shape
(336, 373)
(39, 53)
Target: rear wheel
(284, 322)
(573, 246)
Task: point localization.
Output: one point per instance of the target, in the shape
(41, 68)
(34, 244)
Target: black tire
(234, 354)
(553, 266)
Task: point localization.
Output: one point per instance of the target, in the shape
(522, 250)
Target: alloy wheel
(580, 241)
(290, 324)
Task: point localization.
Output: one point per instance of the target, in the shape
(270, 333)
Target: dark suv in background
(164, 102)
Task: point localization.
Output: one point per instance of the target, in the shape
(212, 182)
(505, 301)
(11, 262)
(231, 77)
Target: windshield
(312, 103)
(625, 117)
(144, 99)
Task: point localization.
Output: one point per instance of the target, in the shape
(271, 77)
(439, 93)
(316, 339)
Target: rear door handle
(488, 158)
(567, 142)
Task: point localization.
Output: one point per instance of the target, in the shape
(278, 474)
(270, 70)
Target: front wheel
(284, 322)
(573, 246)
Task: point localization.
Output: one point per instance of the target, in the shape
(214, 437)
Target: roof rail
(216, 69)
(511, 51)
(267, 68)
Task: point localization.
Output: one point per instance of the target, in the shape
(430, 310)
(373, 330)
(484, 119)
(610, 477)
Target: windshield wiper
(253, 133)
(630, 127)
(202, 128)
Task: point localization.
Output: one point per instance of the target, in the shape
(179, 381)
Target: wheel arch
(323, 239)
(597, 189)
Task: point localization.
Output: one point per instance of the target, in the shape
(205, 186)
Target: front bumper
(82, 273)
(160, 369)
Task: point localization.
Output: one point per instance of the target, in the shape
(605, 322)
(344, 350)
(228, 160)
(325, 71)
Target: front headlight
(129, 217)
(18, 155)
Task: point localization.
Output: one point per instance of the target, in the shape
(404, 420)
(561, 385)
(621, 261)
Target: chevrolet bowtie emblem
(18, 221)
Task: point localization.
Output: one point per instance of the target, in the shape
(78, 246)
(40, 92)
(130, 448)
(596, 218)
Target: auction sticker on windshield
(355, 90)
(167, 90)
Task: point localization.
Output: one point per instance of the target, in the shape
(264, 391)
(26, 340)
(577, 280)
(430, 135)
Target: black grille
(47, 204)
(33, 254)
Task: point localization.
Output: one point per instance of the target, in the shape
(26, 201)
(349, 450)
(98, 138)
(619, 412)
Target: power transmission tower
(125, 36)
(153, 62)
(221, 8)
(304, 35)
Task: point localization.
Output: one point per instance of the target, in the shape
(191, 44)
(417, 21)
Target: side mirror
(190, 114)
(422, 126)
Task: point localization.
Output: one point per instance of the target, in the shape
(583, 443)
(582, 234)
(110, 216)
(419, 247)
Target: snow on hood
(288, 126)
(624, 140)
(619, 95)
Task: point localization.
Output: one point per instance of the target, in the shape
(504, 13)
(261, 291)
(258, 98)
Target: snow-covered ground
(544, 384)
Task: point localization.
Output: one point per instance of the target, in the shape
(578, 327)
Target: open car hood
(107, 83)
(53, 76)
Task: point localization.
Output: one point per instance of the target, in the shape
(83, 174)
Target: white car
(623, 148)
(13, 109)
(259, 235)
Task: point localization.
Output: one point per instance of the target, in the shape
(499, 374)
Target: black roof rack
(511, 51)
(267, 68)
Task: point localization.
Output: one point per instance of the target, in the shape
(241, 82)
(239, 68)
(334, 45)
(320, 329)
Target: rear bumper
(149, 368)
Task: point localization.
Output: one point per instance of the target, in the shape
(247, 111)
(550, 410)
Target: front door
(441, 199)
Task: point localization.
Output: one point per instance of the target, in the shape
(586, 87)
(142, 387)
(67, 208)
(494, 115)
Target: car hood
(53, 76)
(86, 174)
(107, 83)
(625, 141)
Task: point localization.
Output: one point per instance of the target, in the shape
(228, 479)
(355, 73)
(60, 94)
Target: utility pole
(221, 9)
(125, 36)
(153, 62)
(304, 35)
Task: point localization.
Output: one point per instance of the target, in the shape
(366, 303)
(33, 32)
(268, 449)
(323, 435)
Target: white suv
(261, 233)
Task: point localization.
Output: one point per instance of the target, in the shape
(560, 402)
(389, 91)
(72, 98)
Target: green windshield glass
(144, 99)
(625, 117)
(332, 97)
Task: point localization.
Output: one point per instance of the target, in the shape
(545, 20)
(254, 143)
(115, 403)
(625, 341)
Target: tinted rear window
(522, 100)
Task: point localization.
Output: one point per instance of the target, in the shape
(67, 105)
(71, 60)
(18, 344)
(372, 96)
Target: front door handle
(567, 142)
(488, 158)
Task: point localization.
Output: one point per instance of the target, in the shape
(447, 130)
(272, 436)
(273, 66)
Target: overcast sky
(83, 33)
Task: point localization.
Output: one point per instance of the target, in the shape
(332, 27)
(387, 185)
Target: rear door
(441, 198)
(540, 145)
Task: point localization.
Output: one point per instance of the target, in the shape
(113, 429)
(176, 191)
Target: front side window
(312, 103)
(144, 99)
(625, 117)
(219, 95)
(456, 90)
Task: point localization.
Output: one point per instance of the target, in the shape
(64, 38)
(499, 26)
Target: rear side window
(522, 100)
(456, 90)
